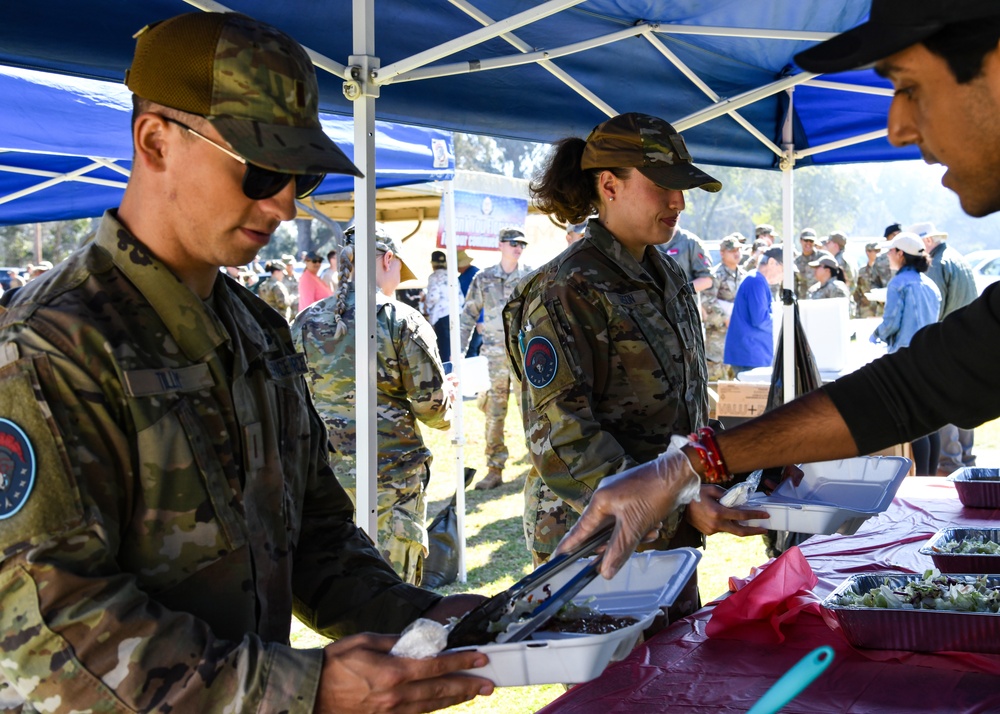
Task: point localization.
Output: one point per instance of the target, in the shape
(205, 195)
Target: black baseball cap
(893, 25)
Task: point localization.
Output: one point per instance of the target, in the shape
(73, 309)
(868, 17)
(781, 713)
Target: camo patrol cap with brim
(255, 84)
(649, 144)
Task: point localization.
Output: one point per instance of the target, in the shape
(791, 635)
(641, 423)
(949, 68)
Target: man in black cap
(943, 59)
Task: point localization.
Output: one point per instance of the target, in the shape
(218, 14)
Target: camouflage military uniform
(850, 275)
(883, 268)
(489, 291)
(869, 276)
(716, 319)
(182, 505)
(275, 293)
(692, 258)
(806, 277)
(611, 363)
(411, 386)
(832, 288)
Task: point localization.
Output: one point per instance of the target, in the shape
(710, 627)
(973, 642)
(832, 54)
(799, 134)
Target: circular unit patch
(17, 468)
(540, 362)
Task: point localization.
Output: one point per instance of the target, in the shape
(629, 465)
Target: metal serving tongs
(474, 628)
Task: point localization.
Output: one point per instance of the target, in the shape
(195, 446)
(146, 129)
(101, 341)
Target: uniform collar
(195, 329)
(606, 243)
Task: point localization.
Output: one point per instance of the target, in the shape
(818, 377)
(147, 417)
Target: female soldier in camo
(411, 386)
(606, 338)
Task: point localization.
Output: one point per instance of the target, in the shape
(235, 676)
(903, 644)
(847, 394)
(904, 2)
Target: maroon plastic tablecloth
(683, 670)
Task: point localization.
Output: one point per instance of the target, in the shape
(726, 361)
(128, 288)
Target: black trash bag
(806, 380)
(441, 563)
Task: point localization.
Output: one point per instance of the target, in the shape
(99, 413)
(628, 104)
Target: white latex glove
(637, 500)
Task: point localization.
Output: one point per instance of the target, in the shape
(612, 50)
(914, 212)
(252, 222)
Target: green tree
(497, 155)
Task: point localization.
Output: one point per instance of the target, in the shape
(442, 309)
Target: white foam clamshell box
(833, 496)
(647, 582)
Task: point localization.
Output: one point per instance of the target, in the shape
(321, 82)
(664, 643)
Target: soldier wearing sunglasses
(169, 504)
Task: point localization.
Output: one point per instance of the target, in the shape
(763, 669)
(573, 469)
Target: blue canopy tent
(721, 71)
(65, 148)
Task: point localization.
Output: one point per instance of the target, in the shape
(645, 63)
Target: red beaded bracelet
(707, 447)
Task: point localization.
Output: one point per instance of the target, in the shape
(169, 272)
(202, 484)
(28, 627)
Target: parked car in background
(985, 267)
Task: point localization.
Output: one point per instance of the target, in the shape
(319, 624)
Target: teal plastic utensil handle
(794, 681)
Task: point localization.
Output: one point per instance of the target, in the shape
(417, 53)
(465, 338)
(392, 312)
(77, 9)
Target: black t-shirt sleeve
(950, 374)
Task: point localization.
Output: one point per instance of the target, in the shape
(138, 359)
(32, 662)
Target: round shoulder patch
(540, 362)
(17, 468)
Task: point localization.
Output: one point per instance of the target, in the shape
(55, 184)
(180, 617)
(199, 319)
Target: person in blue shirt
(750, 340)
(912, 302)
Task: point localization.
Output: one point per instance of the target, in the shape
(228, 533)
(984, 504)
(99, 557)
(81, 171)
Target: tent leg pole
(366, 345)
(788, 219)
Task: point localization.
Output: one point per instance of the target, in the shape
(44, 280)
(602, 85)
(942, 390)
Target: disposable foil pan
(962, 562)
(915, 630)
(977, 488)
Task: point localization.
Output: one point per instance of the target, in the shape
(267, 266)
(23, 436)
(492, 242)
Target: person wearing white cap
(949, 270)
(953, 276)
(912, 302)
(943, 60)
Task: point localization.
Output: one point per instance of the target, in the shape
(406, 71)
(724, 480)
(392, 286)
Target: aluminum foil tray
(961, 562)
(915, 630)
(977, 488)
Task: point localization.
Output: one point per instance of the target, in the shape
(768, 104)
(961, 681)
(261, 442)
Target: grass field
(496, 555)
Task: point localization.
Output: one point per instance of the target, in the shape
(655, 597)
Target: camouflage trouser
(493, 404)
(402, 514)
(870, 309)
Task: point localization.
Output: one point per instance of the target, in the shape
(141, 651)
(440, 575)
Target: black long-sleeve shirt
(950, 374)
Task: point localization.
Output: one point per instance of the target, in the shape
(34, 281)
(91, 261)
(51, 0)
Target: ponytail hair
(564, 190)
(345, 265)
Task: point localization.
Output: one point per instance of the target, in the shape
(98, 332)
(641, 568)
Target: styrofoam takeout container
(647, 582)
(833, 496)
(914, 630)
(976, 487)
(982, 563)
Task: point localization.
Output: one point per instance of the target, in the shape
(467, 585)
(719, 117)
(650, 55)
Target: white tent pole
(366, 345)
(752, 33)
(740, 100)
(860, 139)
(540, 56)
(845, 87)
(457, 359)
(552, 69)
(700, 84)
(788, 219)
(58, 178)
(473, 38)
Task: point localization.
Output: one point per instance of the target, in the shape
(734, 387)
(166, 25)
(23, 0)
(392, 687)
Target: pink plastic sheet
(683, 669)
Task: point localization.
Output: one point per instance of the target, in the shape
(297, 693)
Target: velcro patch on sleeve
(38, 497)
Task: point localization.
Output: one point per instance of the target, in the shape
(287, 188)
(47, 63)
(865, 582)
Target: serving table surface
(682, 669)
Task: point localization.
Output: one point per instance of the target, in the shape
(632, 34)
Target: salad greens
(973, 545)
(934, 592)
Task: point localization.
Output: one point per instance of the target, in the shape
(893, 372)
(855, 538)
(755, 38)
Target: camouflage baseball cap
(730, 243)
(255, 84)
(764, 229)
(838, 238)
(808, 234)
(513, 235)
(648, 144)
(872, 246)
(385, 244)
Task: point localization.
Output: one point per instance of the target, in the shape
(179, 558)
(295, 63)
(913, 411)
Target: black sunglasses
(260, 183)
